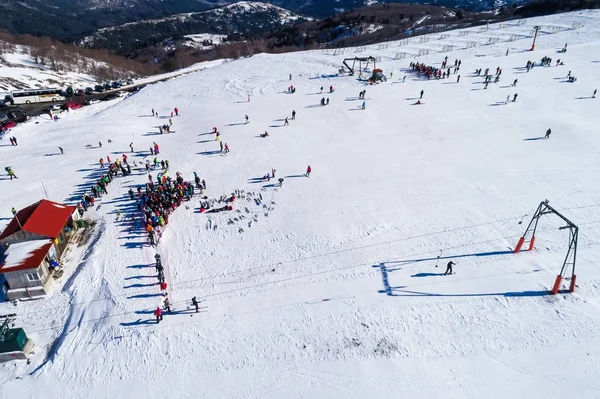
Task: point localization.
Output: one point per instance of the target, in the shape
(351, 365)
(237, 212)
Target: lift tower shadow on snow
(543, 209)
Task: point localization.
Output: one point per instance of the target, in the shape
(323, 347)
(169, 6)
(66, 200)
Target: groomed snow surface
(333, 292)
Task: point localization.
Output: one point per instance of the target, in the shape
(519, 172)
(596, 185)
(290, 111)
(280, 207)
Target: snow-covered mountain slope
(19, 70)
(332, 285)
(242, 18)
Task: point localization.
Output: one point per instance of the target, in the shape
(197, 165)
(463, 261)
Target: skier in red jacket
(308, 170)
(158, 314)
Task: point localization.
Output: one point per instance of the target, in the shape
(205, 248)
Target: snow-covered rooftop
(20, 254)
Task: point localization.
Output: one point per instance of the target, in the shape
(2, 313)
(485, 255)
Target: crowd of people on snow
(430, 71)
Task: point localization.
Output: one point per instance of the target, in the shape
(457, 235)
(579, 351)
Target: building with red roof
(35, 237)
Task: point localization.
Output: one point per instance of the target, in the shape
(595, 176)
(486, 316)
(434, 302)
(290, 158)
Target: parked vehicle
(3, 117)
(34, 96)
(122, 93)
(17, 116)
(89, 90)
(99, 88)
(111, 96)
(116, 84)
(92, 101)
(129, 81)
(107, 86)
(7, 125)
(72, 105)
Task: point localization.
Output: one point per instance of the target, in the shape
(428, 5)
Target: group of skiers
(13, 140)
(157, 201)
(154, 149)
(175, 111)
(430, 71)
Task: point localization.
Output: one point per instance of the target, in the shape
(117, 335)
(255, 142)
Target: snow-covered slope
(332, 286)
(19, 70)
(243, 17)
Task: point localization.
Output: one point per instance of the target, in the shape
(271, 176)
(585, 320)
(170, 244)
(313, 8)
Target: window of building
(33, 276)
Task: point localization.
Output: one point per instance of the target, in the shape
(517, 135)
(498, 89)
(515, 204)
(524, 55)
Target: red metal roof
(45, 218)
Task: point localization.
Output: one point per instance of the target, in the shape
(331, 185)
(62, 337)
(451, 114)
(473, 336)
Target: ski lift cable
(312, 257)
(108, 315)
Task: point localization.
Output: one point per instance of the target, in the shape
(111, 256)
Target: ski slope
(335, 289)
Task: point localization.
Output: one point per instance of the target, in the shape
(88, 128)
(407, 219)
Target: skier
(152, 111)
(422, 92)
(514, 98)
(246, 116)
(167, 304)
(507, 99)
(226, 148)
(515, 83)
(323, 101)
(594, 95)
(170, 122)
(151, 236)
(290, 76)
(364, 105)
(327, 100)
(161, 276)
(10, 172)
(273, 172)
(458, 79)
(176, 111)
(61, 150)
(14, 211)
(218, 136)
(195, 303)
(130, 193)
(321, 92)
(308, 170)
(163, 287)
(221, 144)
(449, 268)
(99, 144)
(158, 314)
(286, 122)
(294, 112)
(280, 180)
(547, 136)
(331, 89)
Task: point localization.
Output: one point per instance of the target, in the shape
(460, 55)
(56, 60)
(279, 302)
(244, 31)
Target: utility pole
(537, 28)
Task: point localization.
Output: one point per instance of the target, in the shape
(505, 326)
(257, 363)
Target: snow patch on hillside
(18, 70)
